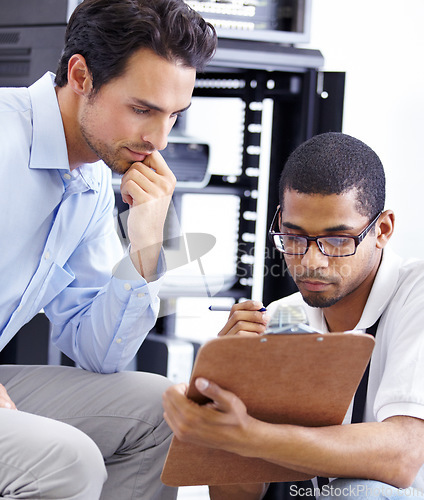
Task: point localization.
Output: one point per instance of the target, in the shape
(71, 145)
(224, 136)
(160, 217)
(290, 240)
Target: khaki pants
(71, 423)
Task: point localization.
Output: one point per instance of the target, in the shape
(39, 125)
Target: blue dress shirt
(58, 243)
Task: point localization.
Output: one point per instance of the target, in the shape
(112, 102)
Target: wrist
(250, 438)
(146, 260)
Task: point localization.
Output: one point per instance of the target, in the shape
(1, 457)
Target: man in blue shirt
(127, 71)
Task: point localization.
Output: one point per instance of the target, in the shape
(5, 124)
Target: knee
(140, 394)
(56, 460)
(79, 466)
(85, 461)
(141, 391)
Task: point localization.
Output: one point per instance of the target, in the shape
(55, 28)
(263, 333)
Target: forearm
(391, 451)
(106, 331)
(147, 187)
(371, 450)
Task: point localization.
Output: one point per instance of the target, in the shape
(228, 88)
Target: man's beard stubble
(107, 155)
(317, 299)
(320, 302)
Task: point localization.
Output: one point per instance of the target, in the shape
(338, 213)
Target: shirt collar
(382, 290)
(48, 137)
(49, 150)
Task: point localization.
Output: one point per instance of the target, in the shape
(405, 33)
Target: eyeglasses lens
(298, 245)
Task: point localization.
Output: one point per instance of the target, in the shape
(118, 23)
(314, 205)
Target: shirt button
(140, 295)
(127, 286)
(67, 176)
(47, 255)
(118, 341)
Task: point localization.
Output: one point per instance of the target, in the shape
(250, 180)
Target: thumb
(220, 397)
(202, 385)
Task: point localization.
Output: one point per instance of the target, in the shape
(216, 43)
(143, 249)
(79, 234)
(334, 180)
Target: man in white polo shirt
(332, 228)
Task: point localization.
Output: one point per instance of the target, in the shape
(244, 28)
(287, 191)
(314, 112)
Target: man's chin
(119, 168)
(320, 301)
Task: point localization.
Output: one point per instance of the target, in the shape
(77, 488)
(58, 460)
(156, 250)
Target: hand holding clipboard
(306, 379)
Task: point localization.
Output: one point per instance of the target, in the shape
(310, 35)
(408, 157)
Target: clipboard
(302, 379)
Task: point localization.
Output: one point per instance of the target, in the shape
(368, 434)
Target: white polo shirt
(396, 381)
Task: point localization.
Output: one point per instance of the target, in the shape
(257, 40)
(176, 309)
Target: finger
(143, 176)
(253, 321)
(181, 388)
(179, 411)
(245, 333)
(154, 167)
(243, 328)
(248, 305)
(128, 192)
(5, 401)
(138, 190)
(139, 181)
(174, 391)
(142, 183)
(9, 404)
(151, 170)
(249, 310)
(141, 171)
(156, 162)
(222, 400)
(174, 395)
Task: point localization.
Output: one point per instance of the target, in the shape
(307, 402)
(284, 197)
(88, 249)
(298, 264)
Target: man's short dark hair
(108, 32)
(334, 163)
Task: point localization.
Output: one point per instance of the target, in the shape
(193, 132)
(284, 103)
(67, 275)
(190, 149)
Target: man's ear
(384, 228)
(79, 76)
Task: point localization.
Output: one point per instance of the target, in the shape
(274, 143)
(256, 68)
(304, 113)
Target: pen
(228, 308)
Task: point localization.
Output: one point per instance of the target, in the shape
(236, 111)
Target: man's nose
(314, 258)
(157, 134)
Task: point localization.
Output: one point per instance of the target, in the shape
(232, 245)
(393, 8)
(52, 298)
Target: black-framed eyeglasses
(331, 246)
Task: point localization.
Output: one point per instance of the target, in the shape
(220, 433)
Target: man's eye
(338, 242)
(291, 238)
(140, 111)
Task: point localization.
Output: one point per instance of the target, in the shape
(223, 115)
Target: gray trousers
(71, 423)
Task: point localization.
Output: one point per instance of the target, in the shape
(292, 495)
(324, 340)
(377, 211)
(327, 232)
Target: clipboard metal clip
(288, 319)
(291, 329)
